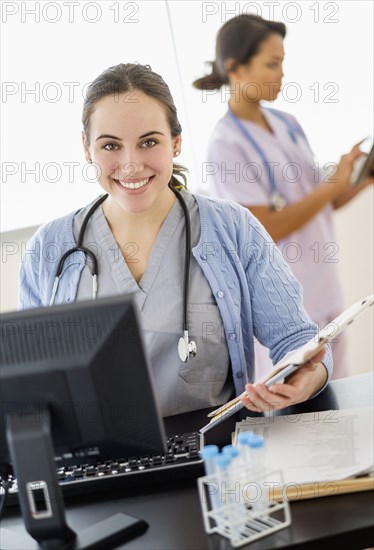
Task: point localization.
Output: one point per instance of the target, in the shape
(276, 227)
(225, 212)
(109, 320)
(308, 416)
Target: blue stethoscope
(186, 347)
(277, 200)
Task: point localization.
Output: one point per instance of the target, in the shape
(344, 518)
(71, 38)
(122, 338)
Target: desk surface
(174, 513)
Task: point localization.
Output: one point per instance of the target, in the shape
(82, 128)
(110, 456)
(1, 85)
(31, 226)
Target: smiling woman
(133, 236)
(131, 132)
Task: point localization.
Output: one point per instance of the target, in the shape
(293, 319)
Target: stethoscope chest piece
(277, 201)
(186, 349)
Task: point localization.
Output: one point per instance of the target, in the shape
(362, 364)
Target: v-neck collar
(120, 271)
(257, 127)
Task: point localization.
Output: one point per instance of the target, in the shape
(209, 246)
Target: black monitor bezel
(146, 419)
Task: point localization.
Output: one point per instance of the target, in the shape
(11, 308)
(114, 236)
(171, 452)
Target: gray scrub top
(205, 380)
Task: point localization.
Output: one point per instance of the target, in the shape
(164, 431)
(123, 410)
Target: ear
(177, 145)
(87, 153)
(231, 67)
(238, 72)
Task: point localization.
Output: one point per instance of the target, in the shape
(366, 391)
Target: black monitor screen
(85, 364)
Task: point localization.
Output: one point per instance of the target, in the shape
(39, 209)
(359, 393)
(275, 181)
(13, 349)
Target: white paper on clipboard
(296, 357)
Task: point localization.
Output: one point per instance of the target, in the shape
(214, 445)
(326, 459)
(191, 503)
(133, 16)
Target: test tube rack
(239, 515)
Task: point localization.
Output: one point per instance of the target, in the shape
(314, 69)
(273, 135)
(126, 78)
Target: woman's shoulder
(224, 131)
(58, 229)
(227, 223)
(284, 115)
(222, 210)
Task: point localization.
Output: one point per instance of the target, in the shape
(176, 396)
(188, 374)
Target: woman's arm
(347, 196)
(29, 283)
(337, 190)
(282, 223)
(280, 323)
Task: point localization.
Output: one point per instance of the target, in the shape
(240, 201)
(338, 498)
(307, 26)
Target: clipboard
(363, 167)
(294, 359)
(326, 488)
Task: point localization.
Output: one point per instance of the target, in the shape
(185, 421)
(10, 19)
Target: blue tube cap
(209, 451)
(256, 441)
(230, 450)
(223, 460)
(244, 437)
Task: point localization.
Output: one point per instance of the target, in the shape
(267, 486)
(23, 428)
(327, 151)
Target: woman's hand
(341, 179)
(300, 386)
(340, 182)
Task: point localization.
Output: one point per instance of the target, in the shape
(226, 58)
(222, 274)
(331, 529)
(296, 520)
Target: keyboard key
(169, 457)
(193, 453)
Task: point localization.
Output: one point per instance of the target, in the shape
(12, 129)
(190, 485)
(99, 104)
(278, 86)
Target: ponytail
(212, 81)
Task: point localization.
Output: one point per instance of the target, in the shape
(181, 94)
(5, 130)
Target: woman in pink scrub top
(261, 159)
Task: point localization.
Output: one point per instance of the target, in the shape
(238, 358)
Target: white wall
(328, 50)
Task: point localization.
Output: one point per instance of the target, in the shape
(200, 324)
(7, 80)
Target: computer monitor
(80, 373)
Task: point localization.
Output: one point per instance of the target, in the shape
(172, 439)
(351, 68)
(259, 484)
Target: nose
(130, 169)
(130, 164)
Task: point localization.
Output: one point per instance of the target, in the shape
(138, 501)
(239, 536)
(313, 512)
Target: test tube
(231, 451)
(236, 479)
(244, 449)
(226, 497)
(209, 454)
(256, 444)
(258, 458)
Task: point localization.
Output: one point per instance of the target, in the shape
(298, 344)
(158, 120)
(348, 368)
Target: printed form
(319, 446)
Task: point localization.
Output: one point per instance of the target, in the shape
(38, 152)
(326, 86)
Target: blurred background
(52, 50)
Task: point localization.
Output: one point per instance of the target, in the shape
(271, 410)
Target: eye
(149, 143)
(111, 146)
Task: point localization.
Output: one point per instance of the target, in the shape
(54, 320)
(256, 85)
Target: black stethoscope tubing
(80, 247)
(187, 260)
(185, 347)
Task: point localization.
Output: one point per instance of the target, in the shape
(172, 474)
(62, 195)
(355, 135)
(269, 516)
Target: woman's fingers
(318, 357)
(260, 399)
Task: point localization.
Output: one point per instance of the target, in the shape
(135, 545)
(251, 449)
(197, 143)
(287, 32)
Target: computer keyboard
(80, 475)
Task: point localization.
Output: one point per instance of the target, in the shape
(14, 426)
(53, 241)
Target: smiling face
(261, 77)
(130, 141)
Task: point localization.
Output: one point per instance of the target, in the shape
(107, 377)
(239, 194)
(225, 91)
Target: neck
(249, 110)
(148, 221)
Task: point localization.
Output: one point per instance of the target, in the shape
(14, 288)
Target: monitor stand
(42, 507)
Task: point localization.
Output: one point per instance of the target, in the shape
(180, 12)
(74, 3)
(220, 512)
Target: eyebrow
(108, 136)
(277, 57)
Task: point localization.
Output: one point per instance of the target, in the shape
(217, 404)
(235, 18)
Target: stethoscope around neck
(186, 347)
(277, 200)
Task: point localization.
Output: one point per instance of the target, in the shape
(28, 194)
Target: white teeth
(134, 185)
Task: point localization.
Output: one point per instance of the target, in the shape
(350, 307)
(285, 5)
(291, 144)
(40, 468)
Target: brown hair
(240, 39)
(127, 77)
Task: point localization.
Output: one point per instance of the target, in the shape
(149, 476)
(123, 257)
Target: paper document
(320, 446)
